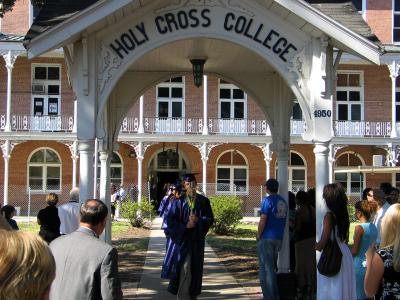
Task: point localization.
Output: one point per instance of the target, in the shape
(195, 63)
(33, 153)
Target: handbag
(331, 257)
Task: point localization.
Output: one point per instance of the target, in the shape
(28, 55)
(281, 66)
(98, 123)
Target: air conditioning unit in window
(37, 88)
(377, 160)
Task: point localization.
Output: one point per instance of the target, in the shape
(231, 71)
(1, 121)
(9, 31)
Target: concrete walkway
(217, 282)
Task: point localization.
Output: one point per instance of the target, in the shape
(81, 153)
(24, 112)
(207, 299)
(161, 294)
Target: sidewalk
(217, 282)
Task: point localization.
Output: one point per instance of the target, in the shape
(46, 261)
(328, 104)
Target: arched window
(115, 169)
(44, 171)
(232, 173)
(352, 180)
(297, 171)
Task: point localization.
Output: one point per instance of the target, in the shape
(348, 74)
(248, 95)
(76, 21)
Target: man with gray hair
(69, 213)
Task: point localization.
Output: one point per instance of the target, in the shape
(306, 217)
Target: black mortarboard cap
(189, 177)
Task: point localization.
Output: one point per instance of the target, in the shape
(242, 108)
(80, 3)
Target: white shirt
(378, 219)
(69, 214)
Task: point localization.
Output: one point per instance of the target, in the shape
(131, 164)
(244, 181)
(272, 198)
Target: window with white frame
(171, 98)
(168, 160)
(297, 171)
(396, 21)
(232, 171)
(232, 101)
(116, 169)
(44, 171)
(350, 96)
(352, 181)
(46, 90)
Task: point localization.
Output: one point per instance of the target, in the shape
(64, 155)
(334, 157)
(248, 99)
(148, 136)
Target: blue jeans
(267, 260)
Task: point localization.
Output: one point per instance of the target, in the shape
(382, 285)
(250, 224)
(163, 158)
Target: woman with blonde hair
(27, 267)
(382, 277)
(49, 220)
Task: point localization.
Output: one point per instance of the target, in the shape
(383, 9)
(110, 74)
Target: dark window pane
(397, 113)
(224, 93)
(396, 21)
(223, 173)
(238, 94)
(163, 92)
(396, 35)
(225, 110)
(354, 96)
(225, 159)
(115, 158)
(356, 112)
(342, 112)
(239, 174)
(341, 79)
(177, 93)
(53, 172)
(296, 160)
(52, 108)
(53, 73)
(177, 109)
(238, 110)
(35, 11)
(37, 157)
(163, 109)
(354, 79)
(51, 157)
(35, 172)
(53, 184)
(177, 79)
(53, 90)
(397, 5)
(397, 96)
(299, 175)
(115, 172)
(297, 113)
(40, 73)
(341, 96)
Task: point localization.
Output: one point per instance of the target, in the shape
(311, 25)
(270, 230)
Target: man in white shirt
(383, 205)
(69, 213)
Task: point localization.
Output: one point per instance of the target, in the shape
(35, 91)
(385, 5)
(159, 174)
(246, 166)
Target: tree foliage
(7, 5)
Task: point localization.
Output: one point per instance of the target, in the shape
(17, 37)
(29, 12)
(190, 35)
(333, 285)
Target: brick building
(217, 131)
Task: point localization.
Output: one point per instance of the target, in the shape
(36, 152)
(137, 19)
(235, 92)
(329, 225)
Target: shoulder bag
(331, 257)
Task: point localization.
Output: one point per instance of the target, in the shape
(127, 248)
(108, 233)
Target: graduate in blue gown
(188, 221)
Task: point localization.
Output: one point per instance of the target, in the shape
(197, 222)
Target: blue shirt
(275, 207)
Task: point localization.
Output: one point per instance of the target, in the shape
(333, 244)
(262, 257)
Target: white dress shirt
(378, 219)
(69, 214)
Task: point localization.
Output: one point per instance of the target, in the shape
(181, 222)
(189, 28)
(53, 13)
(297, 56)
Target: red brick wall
(380, 18)
(21, 102)
(17, 20)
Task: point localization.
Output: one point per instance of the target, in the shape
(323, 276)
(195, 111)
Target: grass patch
(243, 237)
(118, 227)
(133, 244)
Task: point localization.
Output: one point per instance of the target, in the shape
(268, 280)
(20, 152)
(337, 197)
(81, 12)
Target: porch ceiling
(175, 57)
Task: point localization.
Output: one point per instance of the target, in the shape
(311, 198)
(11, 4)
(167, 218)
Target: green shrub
(227, 213)
(351, 210)
(137, 212)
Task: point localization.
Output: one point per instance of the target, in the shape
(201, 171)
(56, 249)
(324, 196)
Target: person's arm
(358, 233)
(374, 272)
(326, 231)
(109, 276)
(261, 225)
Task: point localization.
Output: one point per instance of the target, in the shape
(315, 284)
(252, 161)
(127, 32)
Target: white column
(74, 128)
(205, 105)
(394, 72)
(105, 196)
(9, 58)
(74, 157)
(283, 177)
(267, 158)
(204, 159)
(139, 157)
(86, 151)
(321, 152)
(6, 148)
(141, 127)
(95, 167)
(331, 161)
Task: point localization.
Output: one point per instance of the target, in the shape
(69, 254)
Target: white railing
(362, 129)
(42, 123)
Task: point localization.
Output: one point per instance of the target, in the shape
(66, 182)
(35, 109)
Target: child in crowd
(8, 211)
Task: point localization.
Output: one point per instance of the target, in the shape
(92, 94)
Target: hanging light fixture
(198, 65)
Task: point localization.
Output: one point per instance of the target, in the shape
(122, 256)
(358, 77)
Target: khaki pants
(185, 279)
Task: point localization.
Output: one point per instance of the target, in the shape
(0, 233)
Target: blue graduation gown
(185, 240)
